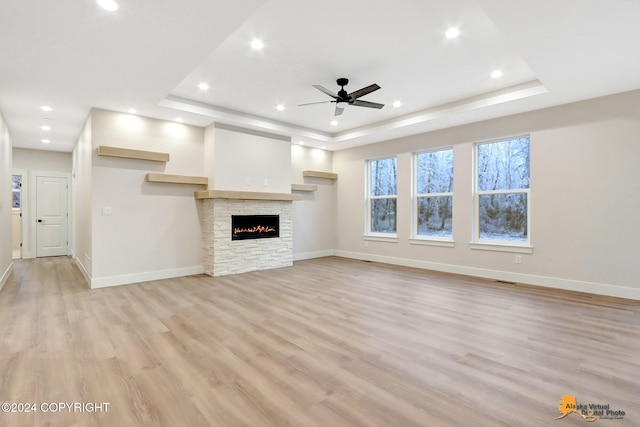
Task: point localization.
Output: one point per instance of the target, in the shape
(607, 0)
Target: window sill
(392, 238)
(432, 242)
(501, 247)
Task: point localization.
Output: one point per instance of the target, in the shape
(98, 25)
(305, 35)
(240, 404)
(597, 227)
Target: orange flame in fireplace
(256, 229)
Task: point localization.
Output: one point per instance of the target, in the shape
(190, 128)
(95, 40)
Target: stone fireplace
(222, 254)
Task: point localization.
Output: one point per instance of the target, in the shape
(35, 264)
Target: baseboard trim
(528, 279)
(5, 275)
(310, 255)
(83, 270)
(125, 279)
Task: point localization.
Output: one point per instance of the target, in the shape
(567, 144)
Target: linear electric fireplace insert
(254, 226)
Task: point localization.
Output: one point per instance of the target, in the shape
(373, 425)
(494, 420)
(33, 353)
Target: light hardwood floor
(327, 342)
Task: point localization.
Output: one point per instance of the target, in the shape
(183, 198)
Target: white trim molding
(83, 270)
(5, 277)
(432, 242)
(125, 279)
(311, 255)
(393, 238)
(527, 279)
(501, 247)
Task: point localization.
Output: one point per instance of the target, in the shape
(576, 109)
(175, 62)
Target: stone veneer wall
(222, 256)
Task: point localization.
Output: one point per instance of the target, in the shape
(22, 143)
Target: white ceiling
(152, 54)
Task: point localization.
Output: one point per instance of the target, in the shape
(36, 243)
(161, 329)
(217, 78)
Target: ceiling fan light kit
(342, 97)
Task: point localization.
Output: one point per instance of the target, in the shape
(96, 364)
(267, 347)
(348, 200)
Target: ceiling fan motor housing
(344, 96)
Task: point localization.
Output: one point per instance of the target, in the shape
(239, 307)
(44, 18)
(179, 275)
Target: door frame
(31, 217)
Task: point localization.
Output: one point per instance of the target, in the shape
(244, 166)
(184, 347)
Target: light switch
(107, 211)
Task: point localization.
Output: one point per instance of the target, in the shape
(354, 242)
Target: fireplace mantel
(245, 195)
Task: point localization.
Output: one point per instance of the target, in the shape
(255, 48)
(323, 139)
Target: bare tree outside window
(502, 191)
(382, 195)
(434, 193)
(16, 186)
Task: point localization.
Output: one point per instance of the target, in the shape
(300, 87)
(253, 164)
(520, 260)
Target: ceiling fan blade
(365, 90)
(327, 91)
(367, 104)
(312, 103)
(339, 110)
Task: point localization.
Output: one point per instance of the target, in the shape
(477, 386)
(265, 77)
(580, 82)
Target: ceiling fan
(349, 98)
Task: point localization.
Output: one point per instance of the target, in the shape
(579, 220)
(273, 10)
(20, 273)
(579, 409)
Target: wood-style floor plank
(327, 342)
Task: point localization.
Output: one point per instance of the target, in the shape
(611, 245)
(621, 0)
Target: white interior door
(51, 216)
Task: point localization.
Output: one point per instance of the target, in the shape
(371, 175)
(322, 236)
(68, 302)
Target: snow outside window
(502, 192)
(16, 186)
(433, 198)
(382, 196)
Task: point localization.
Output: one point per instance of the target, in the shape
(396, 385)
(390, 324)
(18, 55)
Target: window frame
(517, 246)
(16, 190)
(368, 233)
(416, 238)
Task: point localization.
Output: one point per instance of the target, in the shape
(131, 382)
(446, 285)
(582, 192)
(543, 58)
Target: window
(381, 195)
(433, 198)
(502, 191)
(16, 186)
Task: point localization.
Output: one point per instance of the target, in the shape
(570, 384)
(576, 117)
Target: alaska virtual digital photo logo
(590, 412)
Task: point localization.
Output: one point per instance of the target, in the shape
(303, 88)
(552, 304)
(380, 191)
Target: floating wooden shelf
(177, 179)
(126, 153)
(318, 174)
(303, 187)
(246, 195)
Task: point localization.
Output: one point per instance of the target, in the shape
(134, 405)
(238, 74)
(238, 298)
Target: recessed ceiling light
(301, 142)
(334, 123)
(45, 141)
(109, 5)
(203, 86)
(45, 127)
(132, 111)
(257, 44)
(280, 107)
(46, 108)
(397, 104)
(496, 74)
(179, 119)
(452, 33)
(324, 147)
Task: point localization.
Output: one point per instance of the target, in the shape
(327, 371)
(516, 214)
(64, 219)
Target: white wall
(6, 169)
(153, 231)
(244, 160)
(314, 217)
(81, 200)
(40, 160)
(585, 199)
(209, 154)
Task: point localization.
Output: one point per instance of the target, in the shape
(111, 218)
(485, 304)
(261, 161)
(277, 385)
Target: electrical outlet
(366, 244)
(518, 259)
